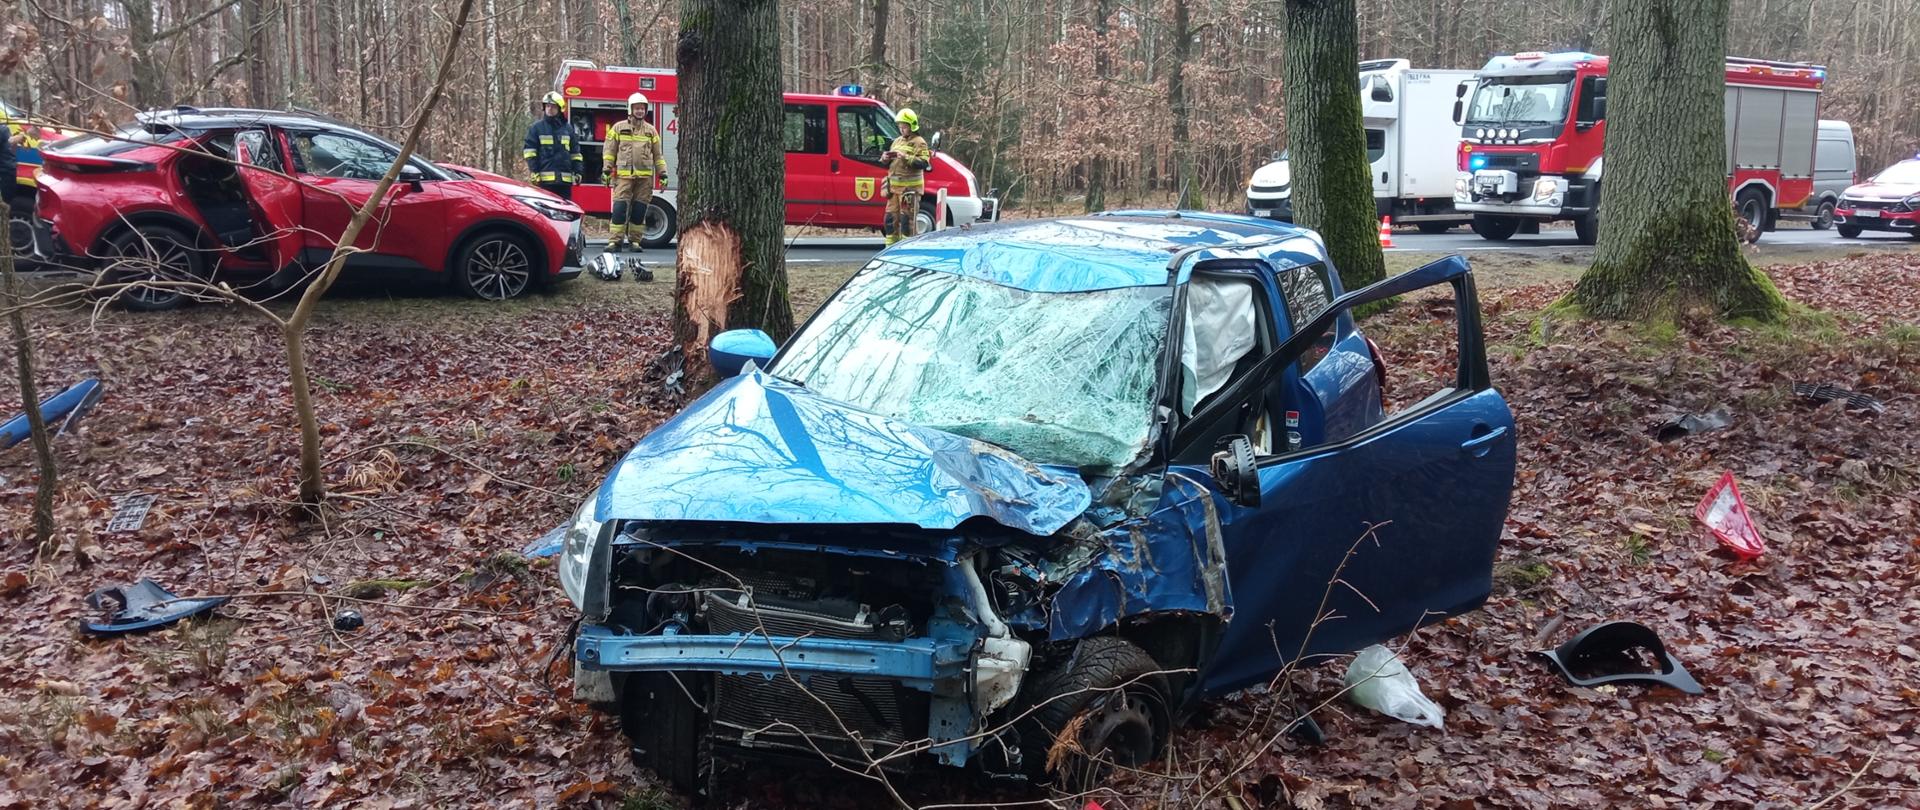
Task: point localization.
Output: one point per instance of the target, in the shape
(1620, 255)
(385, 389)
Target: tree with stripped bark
(732, 272)
(1668, 244)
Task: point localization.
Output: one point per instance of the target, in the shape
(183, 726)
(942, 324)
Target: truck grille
(753, 712)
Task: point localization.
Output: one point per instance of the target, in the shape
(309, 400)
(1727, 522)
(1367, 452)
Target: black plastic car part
(1605, 654)
(143, 605)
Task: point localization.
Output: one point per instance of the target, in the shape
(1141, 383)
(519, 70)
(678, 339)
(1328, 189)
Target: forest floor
(455, 433)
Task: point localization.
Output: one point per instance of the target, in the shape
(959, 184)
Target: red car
(260, 194)
(1889, 201)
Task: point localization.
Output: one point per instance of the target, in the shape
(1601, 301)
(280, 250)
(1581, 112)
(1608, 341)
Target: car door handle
(1478, 446)
(833, 166)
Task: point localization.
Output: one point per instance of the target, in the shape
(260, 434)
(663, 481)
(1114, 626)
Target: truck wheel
(1433, 228)
(1587, 228)
(1495, 228)
(662, 225)
(1848, 231)
(1751, 205)
(1823, 216)
(923, 222)
(153, 253)
(1111, 696)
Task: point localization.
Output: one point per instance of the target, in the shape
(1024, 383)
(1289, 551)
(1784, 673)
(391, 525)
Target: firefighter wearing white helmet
(552, 153)
(636, 166)
(907, 163)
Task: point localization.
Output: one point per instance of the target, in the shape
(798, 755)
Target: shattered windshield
(1522, 100)
(1059, 378)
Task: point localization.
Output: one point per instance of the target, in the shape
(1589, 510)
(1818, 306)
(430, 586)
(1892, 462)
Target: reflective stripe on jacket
(633, 150)
(552, 154)
(911, 157)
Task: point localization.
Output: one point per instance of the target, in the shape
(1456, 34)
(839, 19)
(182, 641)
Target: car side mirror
(1234, 470)
(412, 176)
(934, 142)
(729, 351)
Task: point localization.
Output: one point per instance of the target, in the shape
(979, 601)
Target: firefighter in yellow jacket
(636, 165)
(907, 163)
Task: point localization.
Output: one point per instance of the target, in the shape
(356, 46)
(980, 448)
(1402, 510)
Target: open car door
(278, 209)
(1368, 536)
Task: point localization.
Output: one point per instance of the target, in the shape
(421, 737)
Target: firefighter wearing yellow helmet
(552, 151)
(636, 166)
(907, 163)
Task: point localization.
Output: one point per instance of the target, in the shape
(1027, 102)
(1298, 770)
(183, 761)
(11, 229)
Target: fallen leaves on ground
(456, 437)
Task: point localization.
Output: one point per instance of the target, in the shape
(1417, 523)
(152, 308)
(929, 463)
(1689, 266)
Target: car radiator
(852, 719)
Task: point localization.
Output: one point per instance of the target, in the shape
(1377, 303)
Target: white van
(1833, 171)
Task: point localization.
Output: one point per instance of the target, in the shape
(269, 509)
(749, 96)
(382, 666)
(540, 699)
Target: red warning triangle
(1724, 513)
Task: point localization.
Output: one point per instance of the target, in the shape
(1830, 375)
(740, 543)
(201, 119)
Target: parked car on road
(191, 193)
(1032, 479)
(1889, 201)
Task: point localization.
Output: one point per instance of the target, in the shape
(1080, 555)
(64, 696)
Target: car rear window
(125, 139)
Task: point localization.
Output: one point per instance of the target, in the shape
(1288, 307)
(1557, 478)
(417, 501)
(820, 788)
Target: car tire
(153, 253)
(495, 266)
(661, 226)
(1751, 205)
(1848, 231)
(1586, 229)
(1823, 216)
(1495, 228)
(1109, 691)
(1435, 228)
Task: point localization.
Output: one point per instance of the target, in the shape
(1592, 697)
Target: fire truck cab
(1535, 123)
(833, 144)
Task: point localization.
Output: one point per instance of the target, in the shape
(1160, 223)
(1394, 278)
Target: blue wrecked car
(1039, 478)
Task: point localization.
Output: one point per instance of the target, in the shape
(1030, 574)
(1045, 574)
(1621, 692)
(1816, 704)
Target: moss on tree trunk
(1668, 244)
(732, 271)
(1332, 182)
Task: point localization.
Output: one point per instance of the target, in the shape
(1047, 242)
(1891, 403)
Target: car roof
(185, 117)
(1106, 251)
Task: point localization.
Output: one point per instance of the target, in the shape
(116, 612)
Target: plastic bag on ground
(1377, 680)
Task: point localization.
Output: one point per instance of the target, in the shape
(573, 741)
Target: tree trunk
(1183, 170)
(1667, 242)
(149, 78)
(1332, 187)
(1102, 72)
(732, 271)
(629, 45)
(877, 48)
(30, 401)
(253, 35)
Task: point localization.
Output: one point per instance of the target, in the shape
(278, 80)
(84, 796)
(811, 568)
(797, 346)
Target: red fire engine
(1533, 128)
(833, 145)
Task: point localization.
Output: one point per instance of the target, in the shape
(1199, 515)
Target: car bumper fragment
(914, 662)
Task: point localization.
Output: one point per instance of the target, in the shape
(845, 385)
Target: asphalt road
(1555, 241)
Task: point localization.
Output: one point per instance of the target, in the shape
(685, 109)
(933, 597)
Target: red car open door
(278, 209)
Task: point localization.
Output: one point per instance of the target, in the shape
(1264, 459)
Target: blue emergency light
(1477, 162)
(850, 90)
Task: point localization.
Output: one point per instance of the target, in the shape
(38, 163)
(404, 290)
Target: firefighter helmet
(553, 97)
(637, 98)
(907, 117)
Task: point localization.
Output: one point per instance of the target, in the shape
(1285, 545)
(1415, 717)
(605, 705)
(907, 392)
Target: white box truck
(1413, 142)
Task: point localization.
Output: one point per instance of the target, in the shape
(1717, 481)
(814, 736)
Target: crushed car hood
(757, 449)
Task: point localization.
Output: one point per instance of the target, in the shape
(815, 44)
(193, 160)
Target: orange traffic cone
(1386, 232)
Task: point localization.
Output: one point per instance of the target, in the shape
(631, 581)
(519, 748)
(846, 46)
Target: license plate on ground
(1867, 213)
